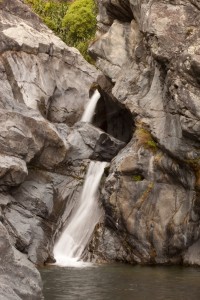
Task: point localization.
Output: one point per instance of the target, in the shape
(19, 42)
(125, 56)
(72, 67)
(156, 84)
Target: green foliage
(52, 13)
(80, 24)
(74, 23)
(80, 20)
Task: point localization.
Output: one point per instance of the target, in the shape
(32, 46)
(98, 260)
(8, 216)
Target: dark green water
(121, 282)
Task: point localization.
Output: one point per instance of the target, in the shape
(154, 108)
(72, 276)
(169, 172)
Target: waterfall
(86, 213)
(90, 108)
(85, 216)
(151, 166)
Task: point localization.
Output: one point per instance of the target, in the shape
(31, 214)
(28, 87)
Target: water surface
(121, 282)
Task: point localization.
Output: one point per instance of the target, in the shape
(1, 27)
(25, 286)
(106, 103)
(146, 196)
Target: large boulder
(148, 200)
(87, 141)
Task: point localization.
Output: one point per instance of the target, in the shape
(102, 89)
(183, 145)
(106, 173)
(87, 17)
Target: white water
(90, 108)
(151, 166)
(85, 216)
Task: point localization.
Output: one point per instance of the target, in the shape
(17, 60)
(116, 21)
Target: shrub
(74, 23)
(80, 25)
(52, 13)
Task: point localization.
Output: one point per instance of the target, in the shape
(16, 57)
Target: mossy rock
(137, 178)
(146, 140)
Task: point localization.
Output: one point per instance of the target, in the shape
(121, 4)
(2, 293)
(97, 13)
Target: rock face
(149, 50)
(44, 87)
(19, 278)
(57, 76)
(148, 118)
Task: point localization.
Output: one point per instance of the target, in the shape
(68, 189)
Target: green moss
(137, 178)
(152, 144)
(146, 140)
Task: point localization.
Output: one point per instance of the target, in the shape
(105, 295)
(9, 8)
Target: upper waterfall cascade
(90, 108)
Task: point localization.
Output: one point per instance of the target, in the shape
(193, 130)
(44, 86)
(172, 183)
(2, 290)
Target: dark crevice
(110, 115)
(120, 10)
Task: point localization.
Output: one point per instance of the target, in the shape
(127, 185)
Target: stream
(121, 282)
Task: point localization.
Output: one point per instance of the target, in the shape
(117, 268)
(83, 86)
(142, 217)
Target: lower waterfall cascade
(85, 215)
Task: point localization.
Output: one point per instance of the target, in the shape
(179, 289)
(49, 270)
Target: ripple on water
(120, 282)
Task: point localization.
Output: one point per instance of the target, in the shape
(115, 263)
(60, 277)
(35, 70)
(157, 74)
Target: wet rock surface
(149, 51)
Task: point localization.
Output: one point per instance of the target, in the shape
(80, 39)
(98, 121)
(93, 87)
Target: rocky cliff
(44, 87)
(149, 52)
(148, 55)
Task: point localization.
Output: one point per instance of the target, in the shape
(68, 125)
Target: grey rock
(36, 210)
(19, 278)
(56, 74)
(115, 48)
(192, 254)
(114, 9)
(35, 196)
(149, 210)
(150, 52)
(5, 199)
(108, 246)
(42, 81)
(27, 232)
(88, 141)
(26, 134)
(13, 170)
